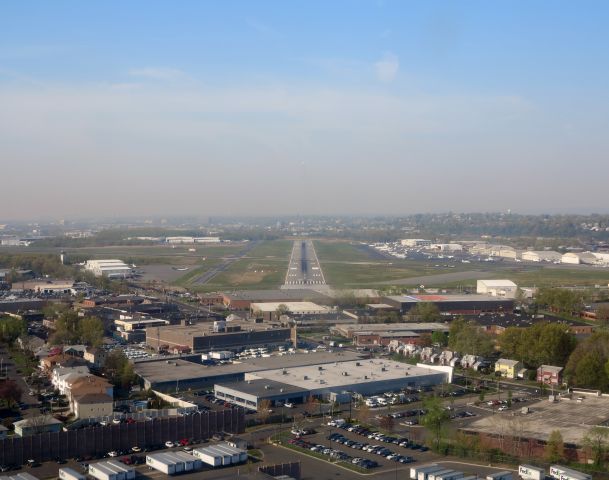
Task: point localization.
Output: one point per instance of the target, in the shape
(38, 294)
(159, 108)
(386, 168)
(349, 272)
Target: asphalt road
(304, 268)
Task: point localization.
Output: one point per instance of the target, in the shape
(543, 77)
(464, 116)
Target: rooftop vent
(305, 377)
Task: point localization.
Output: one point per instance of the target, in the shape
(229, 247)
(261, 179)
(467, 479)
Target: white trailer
(425, 472)
(111, 470)
(414, 471)
(67, 473)
(432, 476)
(499, 476)
(165, 462)
(529, 472)
(452, 475)
(190, 462)
(208, 456)
(220, 454)
(563, 473)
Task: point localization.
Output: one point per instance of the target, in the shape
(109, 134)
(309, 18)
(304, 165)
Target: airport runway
(304, 268)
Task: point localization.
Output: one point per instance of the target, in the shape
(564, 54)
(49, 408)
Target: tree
(10, 392)
(586, 365)
(597, 441)
(439, 338)
(602, 315)
(465, 337)
(282, 309)
(312, 405)
(425, 312)
(436, 419)
(11, 329)
(363, 413)
(66, 328)
(264, 410)
(555, 447)
(387, 423)
(91, 331)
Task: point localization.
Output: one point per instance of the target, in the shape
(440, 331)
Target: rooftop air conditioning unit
(267, 387)
(305, 378)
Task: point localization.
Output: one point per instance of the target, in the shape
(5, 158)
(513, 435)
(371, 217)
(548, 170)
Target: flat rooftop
(293, 307)
(206, 328)
(571, 417)
(159, 371)
(263, 387)
(312, 377)
(274, 295)
(446, 298)
(395, 327)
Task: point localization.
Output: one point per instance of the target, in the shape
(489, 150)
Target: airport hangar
(334, 382)
(453, 304)
(177, 374)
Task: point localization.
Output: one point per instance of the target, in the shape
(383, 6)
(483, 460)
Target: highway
(304, 268)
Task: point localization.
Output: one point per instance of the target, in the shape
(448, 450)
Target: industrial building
(453, 304)
(497, 288)
(365, 376)
(270, 311)
(415, 242)
(108, 268)
(175, 375)
(219, 335)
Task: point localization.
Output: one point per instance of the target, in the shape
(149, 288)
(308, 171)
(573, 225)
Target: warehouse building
(270, 311)
(175, 375)
(405, 328)
(108, 268)
(577, 258)
(242, 300)
(453, 304)
(497, 288)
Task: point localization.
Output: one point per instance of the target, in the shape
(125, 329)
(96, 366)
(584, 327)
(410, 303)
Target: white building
(415, 242)
(497, 288)
(447, 247)
(541, 256)
(108, 268)
(180, 240)
(587, 258)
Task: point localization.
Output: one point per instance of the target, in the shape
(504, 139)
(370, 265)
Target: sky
(148, 107)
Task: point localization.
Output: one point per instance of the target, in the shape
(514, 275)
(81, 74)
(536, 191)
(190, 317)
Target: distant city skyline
(238, 108)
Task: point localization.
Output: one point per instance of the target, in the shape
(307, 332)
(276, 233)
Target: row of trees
(562, 300)
(540, 344)
(588, 365)
(11, 329)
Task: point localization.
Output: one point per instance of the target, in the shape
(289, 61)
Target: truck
(453, 475)
(414, 471)
(440, 475)
(529, 472)
(559, 472)
(505, 475)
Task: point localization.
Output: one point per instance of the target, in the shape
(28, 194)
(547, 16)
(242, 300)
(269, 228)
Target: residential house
(92, 405)
(507, 368)
(549, 375)
(40, 424)
(62, 376)
(96, 356)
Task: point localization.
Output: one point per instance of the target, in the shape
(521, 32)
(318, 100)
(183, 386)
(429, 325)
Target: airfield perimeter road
(304, 268)
(207, 276)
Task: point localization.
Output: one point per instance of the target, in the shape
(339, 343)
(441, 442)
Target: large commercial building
(541, 256)
(405, 329)
(296, 384)
(453, 304)
(108, 268)
(219, 335)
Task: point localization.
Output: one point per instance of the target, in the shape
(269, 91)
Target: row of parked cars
(376, 449)
(333, 453)
(365, 432)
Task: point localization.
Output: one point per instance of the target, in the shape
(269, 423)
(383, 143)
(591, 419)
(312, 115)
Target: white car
(113, 453)
(503, 408)
(288, 405)
(169, 444)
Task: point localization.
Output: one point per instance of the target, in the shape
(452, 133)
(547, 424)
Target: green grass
(279, 249)
(186, 279)
(340, 252)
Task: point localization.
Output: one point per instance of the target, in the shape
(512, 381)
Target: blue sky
(171, 104)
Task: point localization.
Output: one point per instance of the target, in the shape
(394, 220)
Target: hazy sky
(281, 107)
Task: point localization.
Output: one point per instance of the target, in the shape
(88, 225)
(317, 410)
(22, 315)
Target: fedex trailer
(529, 472)
(414, 471)
(563, 473)
(499, 476)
